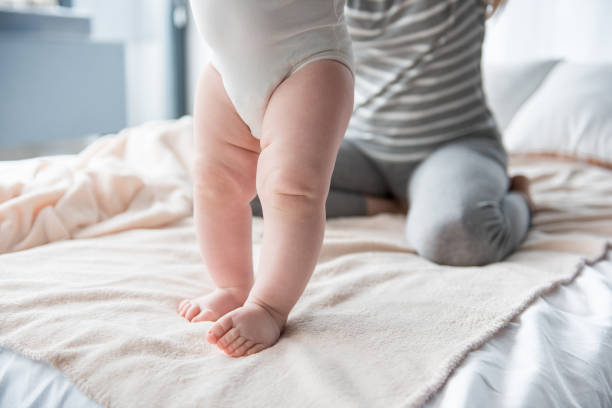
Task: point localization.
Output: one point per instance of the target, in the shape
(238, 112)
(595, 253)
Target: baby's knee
(463, 238)
(292, 190)
(214, 181)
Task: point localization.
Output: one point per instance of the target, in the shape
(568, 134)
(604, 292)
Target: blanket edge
(421, 396)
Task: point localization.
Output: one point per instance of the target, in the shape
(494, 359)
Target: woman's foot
(520, 184)
(377, 205)
(246, 330)
(214, 305)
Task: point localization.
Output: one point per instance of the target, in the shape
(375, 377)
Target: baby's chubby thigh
(303, 125)
(225, 151)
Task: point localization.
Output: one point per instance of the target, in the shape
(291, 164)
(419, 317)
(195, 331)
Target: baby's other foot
(212, 306)
(246, 330)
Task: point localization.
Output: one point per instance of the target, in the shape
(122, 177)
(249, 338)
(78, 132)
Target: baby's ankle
(279, 317)
(239, 293)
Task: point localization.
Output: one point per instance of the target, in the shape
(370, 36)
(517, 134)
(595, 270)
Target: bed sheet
(26, 383)
(558, 353)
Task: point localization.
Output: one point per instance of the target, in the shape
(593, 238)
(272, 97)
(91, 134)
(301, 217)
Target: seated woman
(422, 136)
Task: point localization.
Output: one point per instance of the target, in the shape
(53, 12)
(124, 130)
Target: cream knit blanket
(377, 325)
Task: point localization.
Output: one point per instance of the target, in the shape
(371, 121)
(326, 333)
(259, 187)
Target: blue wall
(55, 83)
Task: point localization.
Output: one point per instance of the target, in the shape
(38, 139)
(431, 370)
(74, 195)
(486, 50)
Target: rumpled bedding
(136, 179)
(99, 248)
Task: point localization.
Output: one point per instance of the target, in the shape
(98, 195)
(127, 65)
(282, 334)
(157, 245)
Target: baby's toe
(228, 338)
(219, 329)
(193, 311)
(255, 349)
(235, 344)
(205, 315)
(180, 306)
(184, 306)
(238, 352)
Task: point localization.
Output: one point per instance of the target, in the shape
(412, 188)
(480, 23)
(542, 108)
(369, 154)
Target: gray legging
(461, 212)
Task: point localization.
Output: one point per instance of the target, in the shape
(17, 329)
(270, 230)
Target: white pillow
(570, 114)
(508, 86)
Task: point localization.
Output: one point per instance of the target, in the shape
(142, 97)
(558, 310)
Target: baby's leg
(303, 126)
(224, 183)
(358, 188)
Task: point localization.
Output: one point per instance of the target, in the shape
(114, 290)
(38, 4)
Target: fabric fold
(138, 178)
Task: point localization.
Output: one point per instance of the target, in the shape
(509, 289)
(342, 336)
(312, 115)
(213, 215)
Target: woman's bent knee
(473, 237)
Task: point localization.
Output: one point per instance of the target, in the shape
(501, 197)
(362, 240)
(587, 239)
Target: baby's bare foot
(246, 330)
(214, 305)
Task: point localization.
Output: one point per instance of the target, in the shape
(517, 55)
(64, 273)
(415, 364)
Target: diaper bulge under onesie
(256, 44)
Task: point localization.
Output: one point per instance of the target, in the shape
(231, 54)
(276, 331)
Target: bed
(98, 248)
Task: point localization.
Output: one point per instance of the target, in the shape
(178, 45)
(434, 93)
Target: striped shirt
(418, 78)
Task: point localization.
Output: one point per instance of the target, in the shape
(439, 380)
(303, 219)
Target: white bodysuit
(256, 44)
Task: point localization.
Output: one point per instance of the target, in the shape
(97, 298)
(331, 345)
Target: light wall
(197, 55)
(21, 3)
(143, 26)
(526, 30)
